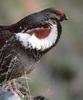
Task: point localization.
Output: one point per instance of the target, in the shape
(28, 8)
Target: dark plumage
(22, 44)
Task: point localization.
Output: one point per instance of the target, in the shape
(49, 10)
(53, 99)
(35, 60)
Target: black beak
(63, 18)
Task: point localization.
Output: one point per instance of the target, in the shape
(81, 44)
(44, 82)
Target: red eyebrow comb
(59, 12)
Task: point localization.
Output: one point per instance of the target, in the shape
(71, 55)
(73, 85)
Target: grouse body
(25, 42)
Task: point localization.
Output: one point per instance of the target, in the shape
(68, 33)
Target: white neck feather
(31, 41)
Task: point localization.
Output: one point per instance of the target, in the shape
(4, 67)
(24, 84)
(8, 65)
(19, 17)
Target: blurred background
(59, 75)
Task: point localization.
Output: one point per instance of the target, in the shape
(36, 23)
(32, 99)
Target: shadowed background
(59, 75)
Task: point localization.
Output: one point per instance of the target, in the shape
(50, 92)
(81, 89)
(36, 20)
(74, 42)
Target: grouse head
(55, 14)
